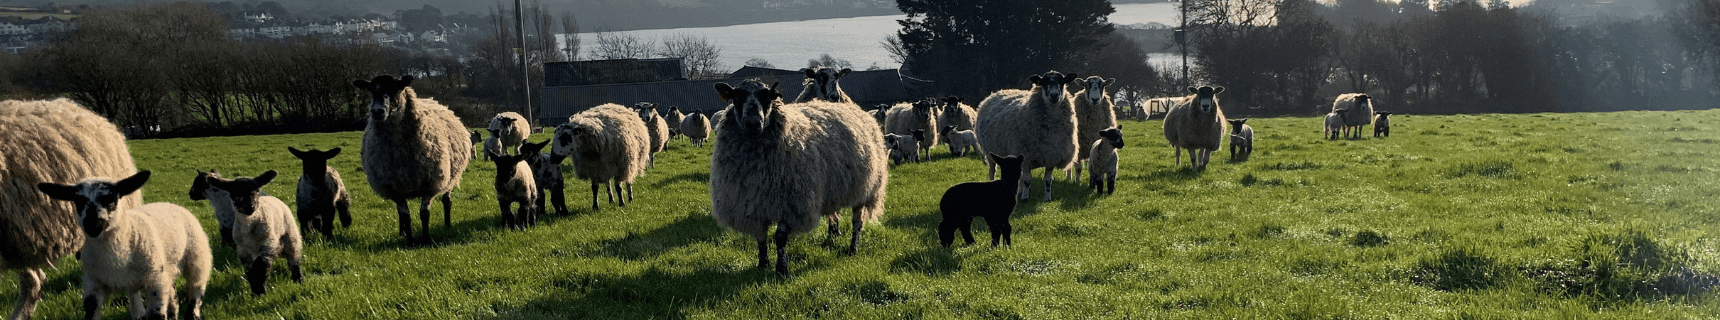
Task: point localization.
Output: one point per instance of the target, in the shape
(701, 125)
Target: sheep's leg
(1193, 159)
(542, 196)
(763, 249)
(258, 274)
(990, 169)
(1177, 153)
(345, 213)
(1076, 175)
(560, 197)
(629, 190)
(507, 213)
(196, 280)
(227, 236)
(94, 296)
(609, 190)
(29, 292)
(160, 300)
(1008, 231)
(620, 200)
(835, 223)
(854, 243)
(997, 228)
(967, 230)
(405, 219)
(594, 195)
(447, 212)
(1111, 183)
(1021, 190)
(782, 232)
(424, 217)
(1047, 184)
(136, 307)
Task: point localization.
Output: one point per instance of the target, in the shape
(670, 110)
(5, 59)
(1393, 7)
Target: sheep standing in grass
(881, 114)
(1334, 125)
(789, 164)
(510, 130)
(697, 128)
(138, 251)
(224, 216)
(412, 150)
(655, 128)
(993, 200)
(1038, 124)
(321, 192)
(1093, 112)
(1357, 111)
(1103, 157)
(476, 138)
(263, 230)
(955, 113)
(491, 144)
(904, 147)
(905, 118)
(609, 145)
(50, 141)
(515, 184)
(1196, 123)
(675, 118)
(1382, 124)
(824, 84)
(1241, 140)
(546, 174)
(961, 142)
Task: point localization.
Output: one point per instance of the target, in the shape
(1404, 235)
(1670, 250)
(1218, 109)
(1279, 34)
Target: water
(788, 45)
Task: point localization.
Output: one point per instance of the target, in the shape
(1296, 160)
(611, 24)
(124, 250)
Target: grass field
(1597, 215)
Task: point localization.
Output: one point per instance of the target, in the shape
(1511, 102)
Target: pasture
(1594, 215)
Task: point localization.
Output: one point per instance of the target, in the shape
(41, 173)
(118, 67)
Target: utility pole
(525, 67)
(1182, 40)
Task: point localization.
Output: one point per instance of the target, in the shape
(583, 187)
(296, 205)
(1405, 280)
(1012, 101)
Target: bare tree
(616, 45)
(698, 55)
(759, 63)
(570, 29)
(827, 61)
(893, 45)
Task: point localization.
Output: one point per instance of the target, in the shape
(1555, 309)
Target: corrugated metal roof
(576, 73)
(866, 87)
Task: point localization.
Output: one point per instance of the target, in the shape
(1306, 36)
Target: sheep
(1334, 125)
(1038, 124)
(264, 228)
(993, 200)
(824, 84)
(1103, 157)
(224, 216)
(510, 130)
(675, 118)
(954, 113)
(50, 141)
(321, 192)
(1196, 123)
(905, 118)
(904, 147)
(515, 184)
(789, 164)
(411, 150)
(962, 141)
(490, 144)
(476, 138)
(1382, 124)
(1356, 109)
(697, 128)
(546, 173)
(655, 128)
(609, 145)
(1093, 113)
(1241, 139)
(137, 251)
(880, 113)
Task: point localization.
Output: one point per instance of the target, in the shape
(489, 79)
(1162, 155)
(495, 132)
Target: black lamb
(992, 200)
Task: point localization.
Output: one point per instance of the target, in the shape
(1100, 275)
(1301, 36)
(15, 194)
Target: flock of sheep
(70, 185)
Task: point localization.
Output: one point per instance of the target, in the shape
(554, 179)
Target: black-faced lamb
(824, 84)
(546, 172)
(50, 141)
(263, 228)
(515, 184)
(697, 128)
(1196, 123)
(655, 128)
(955, 113)
(476, 139)
(1103, 156)
(139, 251)
(224, 216)
(609, 145)
(321, 192)
(1093, 113)
(1038, 124)
(961, 141)
(412, 150)
(1382, 124)
(1241, 139)
(905, 118)
(904, 147)
(880, 113)
(510, 129)
(1357, 111)
(789, 164)
(992, 200)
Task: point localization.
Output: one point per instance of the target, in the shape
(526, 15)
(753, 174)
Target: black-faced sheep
(992, 200)
(674, 118)
(609, 146)
(515, 184)
(1382, 124)
(1103, 156)
(697, 128)
(137, 252)
(224, 216)
(546, 172)
(1357, 111)
(962, 141)
(789, 164)
(412, 150)
(263, 229)
(510, 129)
(904, 147)
(1241, 139)
(50, 141)
(1038, 124)
(655, 128)
(954, 113)
(880, 113)
(1093, 113)
(824, 84)
(1196, 123)
(321, 192)
(905, 118)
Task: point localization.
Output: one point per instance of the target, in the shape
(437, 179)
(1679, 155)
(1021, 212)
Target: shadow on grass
(688, 230)
(1172, 174)
(933, 261)
(703, 177)
(653, 294)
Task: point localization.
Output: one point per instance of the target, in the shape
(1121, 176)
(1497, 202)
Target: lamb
(961, 142)
(491, 144)
(1334, 125)
(411, 150)
(697, 128)
(1103, 157)
(1356, 110)
(1038, 124)
(675, 118)
(880, 113)
(264, 228)
(137, 251)
(510, 130)
(609, 145)
(546, 173)
(789, 164)
(1093, 113)
(1196, 123)
(1241, 140)
(655, 128)
(321, 192)
(954, 113)
(50, 141)
(1382, 124)
(904, 147)
(224, 217)
(993, 200)
(515, 184)
(824, 84)
(905, 118)
(476, 138)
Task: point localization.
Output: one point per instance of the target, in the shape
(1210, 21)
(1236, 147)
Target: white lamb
(137, 252)
(264, 228)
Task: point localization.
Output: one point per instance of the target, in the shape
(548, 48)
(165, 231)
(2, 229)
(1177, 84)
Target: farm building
(560, 101)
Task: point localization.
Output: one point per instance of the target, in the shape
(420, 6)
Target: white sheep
(510, 130)
(789, 164)
(962, 141)
(412, 150)
(1196, 123)
(675, 118)
(1382, 124)
(824, 84)
(515, 184)
(263, 229)
(1334, 125)
(905, 118)
(546, 174)
(697, 128)
(34, 230)
(955, 113)
(880, 113)
(225, 217)
(1357, 110)
(655, 128)
(136, 252)
(1103, 157)
(1093, 113)
(321, 192)
(904, 147)
(609, 145)
(1038, 124)
(1241, 140)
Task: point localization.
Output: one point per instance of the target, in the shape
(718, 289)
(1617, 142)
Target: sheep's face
(243, 192)
(750, 104)
(1236, 125)
(1095, 88)
(476, 137)
(1362, 102)
(1052, 83)
(890, 141)
(563, 142)
(923, 107)
(647, 111)
(952, 104)
(95, 201)
(1113, 136)
(200, 184)
(500, 123)
(1206, 98)
(385, 94)
(825, 82)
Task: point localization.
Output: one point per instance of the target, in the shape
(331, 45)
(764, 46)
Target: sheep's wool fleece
(963, 120)
(815, 159)
(696, 126)
(902, 119)
(1103, 158)
(271, 230)
(1092, 117)
(418, 152)
(54, 141)
(616, 146)
(160, 239)
(511, 135)
(333, 190)
(1016, 122)
(658, 130)
(1184, 130)
(1352, 115)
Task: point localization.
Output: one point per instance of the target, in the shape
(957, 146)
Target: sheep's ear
(198, 184)
(723, 90)
(773, 85)
(264, 178)
(1217, 90)
(405, 81)
(130, 184)
(1070, 77)
(59, 191)
(1109, 82)
(331, 153)
(808, 72)
(844, 72)
(1036, 79)
(361, 84)
(1193, 90)
(295, 151)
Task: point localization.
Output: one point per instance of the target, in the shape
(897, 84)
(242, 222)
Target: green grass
(1597, 215)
